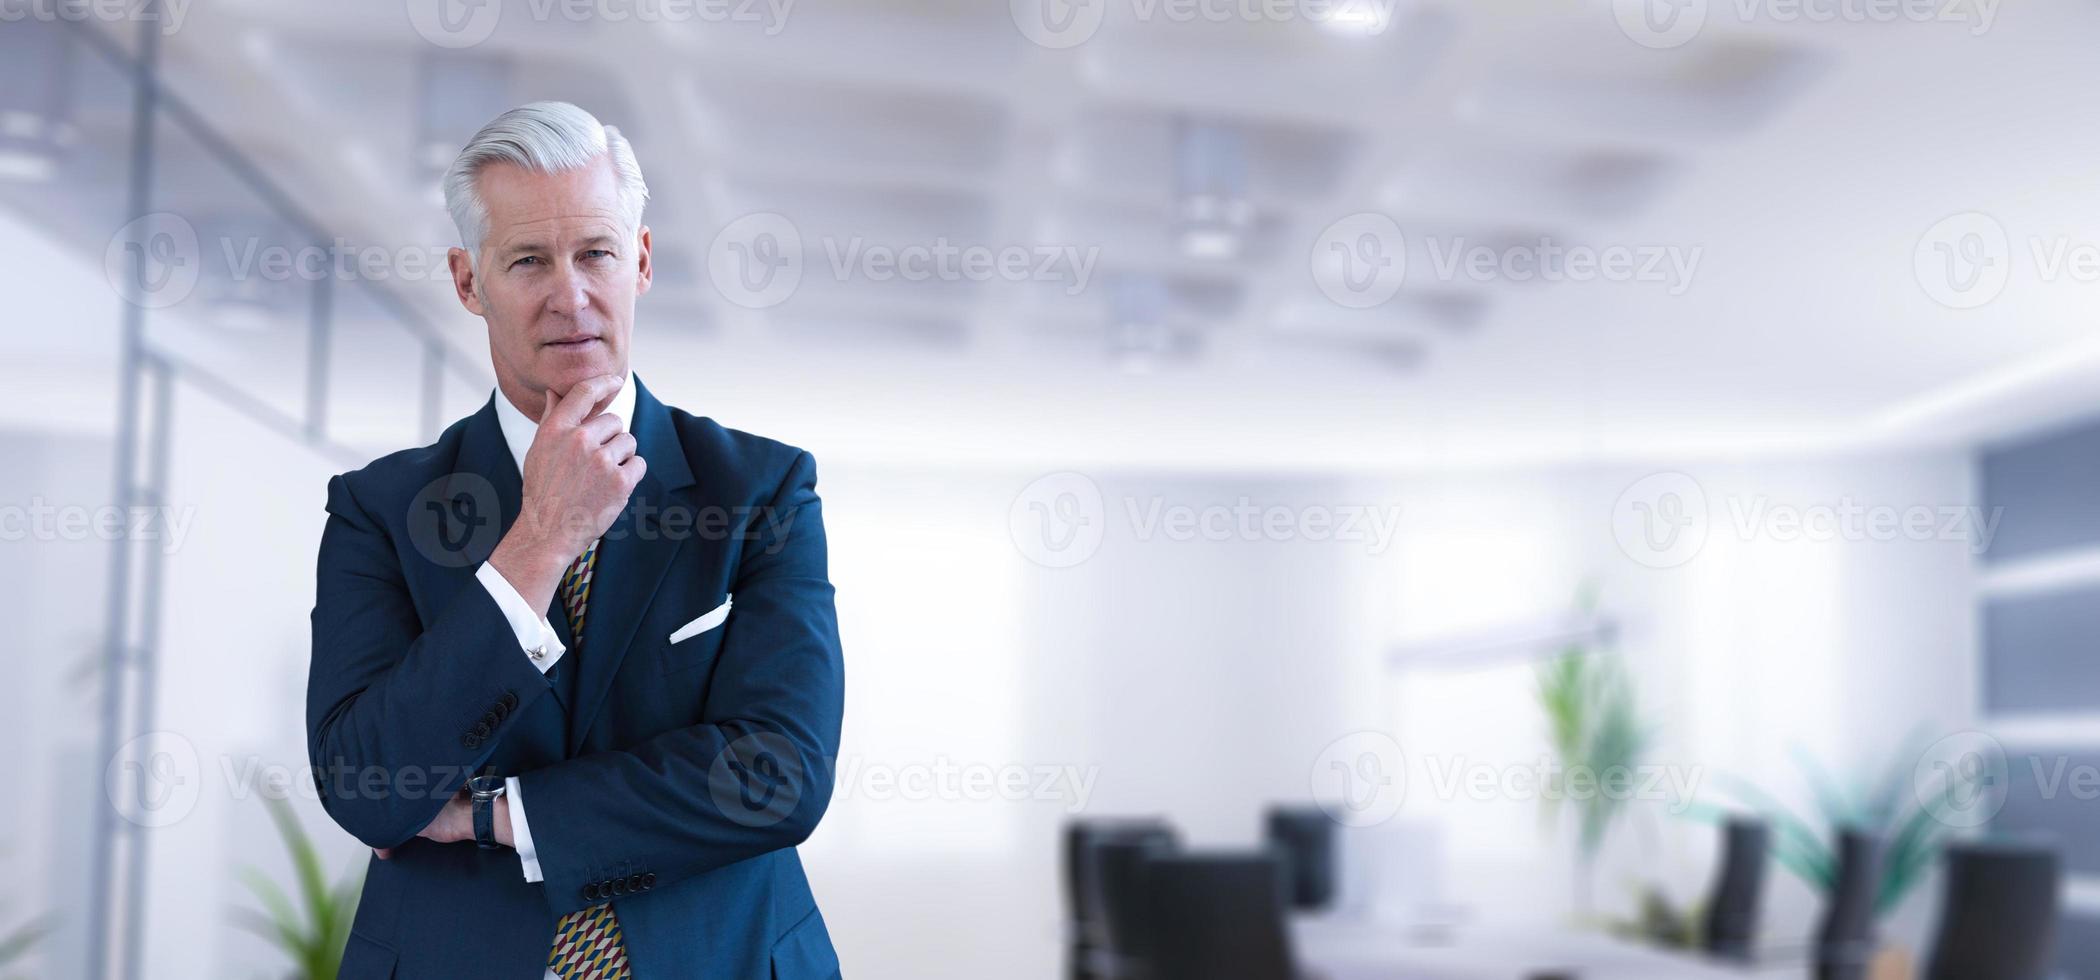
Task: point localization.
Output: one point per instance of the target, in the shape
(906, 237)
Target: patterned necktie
(587, 943)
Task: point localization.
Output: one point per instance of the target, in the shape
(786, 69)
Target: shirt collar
(518, 430)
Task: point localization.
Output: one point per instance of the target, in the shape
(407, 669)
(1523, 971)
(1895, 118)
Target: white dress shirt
(536, 637)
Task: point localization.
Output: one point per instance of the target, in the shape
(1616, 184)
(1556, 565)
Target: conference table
(1338, 948)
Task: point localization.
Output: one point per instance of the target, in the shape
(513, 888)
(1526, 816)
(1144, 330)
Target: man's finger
(619, 447)
(583, 397)
(601, 427)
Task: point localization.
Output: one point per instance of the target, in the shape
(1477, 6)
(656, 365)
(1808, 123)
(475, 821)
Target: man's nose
(569, 297)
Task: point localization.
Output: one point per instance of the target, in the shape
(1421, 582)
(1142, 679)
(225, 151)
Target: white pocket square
(707, 621)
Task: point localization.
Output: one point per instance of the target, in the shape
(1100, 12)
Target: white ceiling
(1799, 163)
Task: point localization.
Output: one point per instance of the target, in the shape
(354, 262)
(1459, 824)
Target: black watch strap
(484, 791)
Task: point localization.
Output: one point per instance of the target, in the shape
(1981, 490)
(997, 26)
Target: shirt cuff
(520, 833)
(536, 636)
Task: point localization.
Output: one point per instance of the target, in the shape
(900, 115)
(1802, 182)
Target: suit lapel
(632, 560)
(483, 464)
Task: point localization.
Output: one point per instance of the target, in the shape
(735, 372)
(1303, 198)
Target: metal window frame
(129, 675)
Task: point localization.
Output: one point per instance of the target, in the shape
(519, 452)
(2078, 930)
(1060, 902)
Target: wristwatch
(486, 789)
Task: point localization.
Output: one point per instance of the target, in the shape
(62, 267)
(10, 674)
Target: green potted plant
(1892, 807)
(19, 942)
(314, 932)
(1593, 722)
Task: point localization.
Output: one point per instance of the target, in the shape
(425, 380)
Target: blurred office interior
(1284, 462)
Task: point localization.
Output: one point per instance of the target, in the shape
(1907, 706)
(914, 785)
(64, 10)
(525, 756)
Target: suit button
(470, 740)
(648, 880)
(491, 719)
(500, 710)
(590, 892)
(510, 700)
(634, 883)
(481, 731)
(619, 886)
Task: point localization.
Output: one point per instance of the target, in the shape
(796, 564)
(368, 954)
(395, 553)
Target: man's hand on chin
(456, 823)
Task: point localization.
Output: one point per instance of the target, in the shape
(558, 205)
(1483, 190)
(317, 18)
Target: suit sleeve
(754, 776)
(399, 712)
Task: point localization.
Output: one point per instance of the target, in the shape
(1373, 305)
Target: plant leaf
(1837, 811)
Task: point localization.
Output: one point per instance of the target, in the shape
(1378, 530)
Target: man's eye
(526, 259)
(598, 253)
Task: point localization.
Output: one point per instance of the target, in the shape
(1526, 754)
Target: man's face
(557, 278)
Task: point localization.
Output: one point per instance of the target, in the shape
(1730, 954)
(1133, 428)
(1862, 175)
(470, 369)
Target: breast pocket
(805, 952)
(364, 959)
(695, 642)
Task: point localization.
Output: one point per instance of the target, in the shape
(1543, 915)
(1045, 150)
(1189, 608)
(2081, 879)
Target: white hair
(543, 137)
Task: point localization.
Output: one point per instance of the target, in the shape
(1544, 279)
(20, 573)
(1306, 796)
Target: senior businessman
(576, 672)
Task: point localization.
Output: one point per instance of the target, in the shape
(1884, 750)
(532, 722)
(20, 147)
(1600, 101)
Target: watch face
(485, 785)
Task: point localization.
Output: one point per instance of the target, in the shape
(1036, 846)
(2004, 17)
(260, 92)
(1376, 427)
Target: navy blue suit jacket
(671, 780)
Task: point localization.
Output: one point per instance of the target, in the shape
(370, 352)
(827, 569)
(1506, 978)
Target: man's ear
(462, 266)
(648, 268)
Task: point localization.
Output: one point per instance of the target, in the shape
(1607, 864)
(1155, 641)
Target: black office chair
(1122, 874)
(1305, 836)
(1086, 946)
(1733, 909)
(1845, 940)
(1998, 918)
(1219, 916)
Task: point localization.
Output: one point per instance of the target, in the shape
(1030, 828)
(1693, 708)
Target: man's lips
(571, 343)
